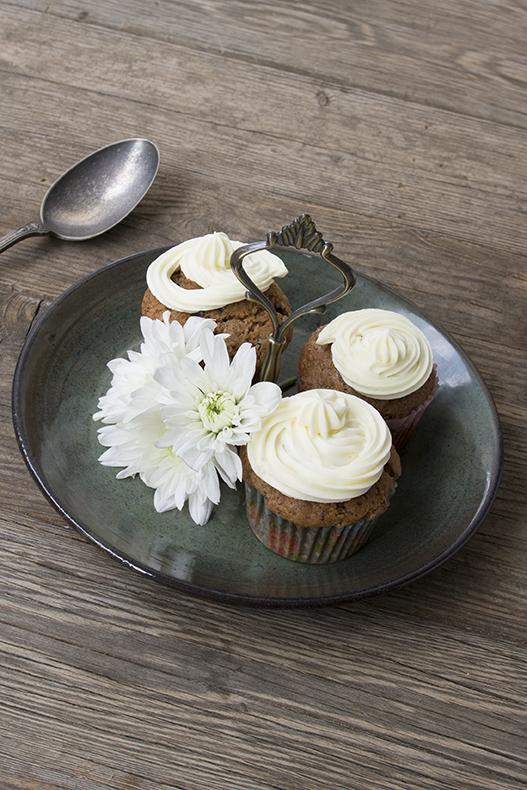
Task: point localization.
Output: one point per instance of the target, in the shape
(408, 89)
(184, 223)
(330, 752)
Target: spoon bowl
(98, 192)
(95, 194)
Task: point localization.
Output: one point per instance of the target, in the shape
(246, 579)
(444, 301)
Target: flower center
(218, 410)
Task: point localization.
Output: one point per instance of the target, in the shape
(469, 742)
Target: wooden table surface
(402, 128)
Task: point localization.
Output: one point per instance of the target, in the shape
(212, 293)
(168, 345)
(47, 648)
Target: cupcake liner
(402, 428)
(313, 545)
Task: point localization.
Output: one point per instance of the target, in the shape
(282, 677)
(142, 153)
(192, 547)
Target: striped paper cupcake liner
(313, 545)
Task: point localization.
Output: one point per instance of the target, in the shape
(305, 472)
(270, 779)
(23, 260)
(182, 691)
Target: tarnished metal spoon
(95, 194)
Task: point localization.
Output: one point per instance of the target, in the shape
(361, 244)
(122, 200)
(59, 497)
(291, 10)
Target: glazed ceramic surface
(450, 468)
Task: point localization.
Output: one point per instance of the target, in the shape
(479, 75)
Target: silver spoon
(95, 194)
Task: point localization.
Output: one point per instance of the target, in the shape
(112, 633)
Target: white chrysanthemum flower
(133, 388)
(133, 424)
(213, 408)
(133, 446)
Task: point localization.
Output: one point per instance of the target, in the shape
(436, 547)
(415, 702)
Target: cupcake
(381, 357)
(195, 278)
(318, 474)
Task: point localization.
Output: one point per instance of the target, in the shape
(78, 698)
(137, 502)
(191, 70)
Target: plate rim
(222, 596)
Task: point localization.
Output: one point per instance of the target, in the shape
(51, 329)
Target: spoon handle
(31, 229)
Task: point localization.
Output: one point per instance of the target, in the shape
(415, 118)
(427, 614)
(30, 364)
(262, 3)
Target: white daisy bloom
(133, 388)
(213, 408)
(133, 446)
(130, 411)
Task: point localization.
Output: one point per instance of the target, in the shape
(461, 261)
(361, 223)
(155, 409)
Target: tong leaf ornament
(300, 233)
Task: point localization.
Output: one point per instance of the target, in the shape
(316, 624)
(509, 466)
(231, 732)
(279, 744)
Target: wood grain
(401, 127)
(460, 167)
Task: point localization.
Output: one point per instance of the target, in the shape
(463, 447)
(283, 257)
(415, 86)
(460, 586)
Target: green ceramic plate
(450, 468)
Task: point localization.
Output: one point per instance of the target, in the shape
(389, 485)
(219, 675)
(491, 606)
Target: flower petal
(242, 370)
(216, 359)
(266, 394)
(229, 465)
(200, 509)
(196, 327)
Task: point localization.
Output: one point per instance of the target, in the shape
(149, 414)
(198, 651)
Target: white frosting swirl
(321, 446)
(378, 353)
(205, 261)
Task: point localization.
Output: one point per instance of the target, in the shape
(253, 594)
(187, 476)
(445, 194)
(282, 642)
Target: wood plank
(374, 155)
(237, 691)
(423, 57)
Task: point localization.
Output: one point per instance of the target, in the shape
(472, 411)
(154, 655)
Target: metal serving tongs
(302, 234)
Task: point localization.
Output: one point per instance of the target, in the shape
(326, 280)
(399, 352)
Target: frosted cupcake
(318, 474)
(195, 278)
(381, 357)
